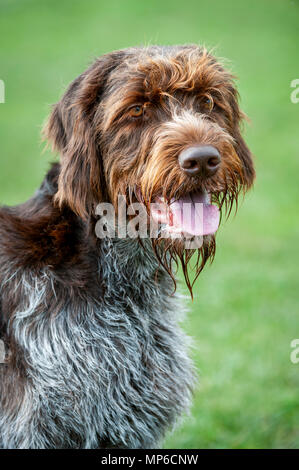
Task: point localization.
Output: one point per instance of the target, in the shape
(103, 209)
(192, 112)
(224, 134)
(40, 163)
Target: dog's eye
(207, 104)
(136, 111)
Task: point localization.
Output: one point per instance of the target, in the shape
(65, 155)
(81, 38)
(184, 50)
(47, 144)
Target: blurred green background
(245, 311)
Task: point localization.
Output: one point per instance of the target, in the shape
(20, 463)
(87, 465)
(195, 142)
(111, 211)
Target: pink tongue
(192, 214)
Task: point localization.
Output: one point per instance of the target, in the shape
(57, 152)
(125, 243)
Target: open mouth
(192, 215)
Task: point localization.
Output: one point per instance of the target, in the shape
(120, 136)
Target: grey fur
(113, 369)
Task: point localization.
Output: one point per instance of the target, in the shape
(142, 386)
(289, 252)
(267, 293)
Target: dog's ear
(245, 156)
(236, 120)
(71, 130)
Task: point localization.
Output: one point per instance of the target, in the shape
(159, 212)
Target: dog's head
(156, 124)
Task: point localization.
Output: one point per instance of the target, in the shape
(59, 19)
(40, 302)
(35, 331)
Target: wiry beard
(172, 253)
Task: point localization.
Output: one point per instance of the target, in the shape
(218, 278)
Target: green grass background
(245, 311)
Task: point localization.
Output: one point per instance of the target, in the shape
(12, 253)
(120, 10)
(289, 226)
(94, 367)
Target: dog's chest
(111, 369)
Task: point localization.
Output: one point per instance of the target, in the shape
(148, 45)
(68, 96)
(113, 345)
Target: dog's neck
(132, 264)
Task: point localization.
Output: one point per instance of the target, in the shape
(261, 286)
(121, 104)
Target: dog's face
(155, 124)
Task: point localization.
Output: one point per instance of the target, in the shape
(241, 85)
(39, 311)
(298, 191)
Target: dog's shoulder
(37, 233)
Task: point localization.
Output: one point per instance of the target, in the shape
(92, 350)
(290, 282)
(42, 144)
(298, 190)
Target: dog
(95, 356)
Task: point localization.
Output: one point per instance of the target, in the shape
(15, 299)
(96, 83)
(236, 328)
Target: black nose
(202, 160)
